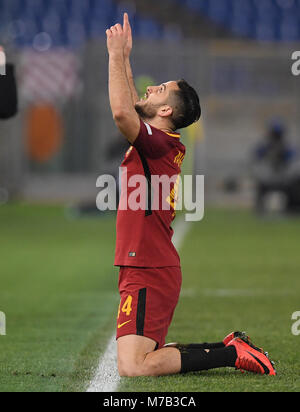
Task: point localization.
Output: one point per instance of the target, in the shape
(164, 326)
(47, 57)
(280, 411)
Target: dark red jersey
(147, 206)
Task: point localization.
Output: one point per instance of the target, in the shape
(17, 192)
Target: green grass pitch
(58, 289)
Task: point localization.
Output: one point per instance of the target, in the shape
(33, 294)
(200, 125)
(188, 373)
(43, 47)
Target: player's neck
(160, 124)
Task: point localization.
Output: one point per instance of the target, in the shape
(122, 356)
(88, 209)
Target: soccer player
(150, 274)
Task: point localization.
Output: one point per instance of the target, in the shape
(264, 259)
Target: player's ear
(165, 111)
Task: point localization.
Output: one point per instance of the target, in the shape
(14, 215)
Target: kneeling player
(150, 274)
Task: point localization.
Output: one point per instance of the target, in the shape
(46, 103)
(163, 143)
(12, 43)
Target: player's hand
(128, 32)
(116, 39)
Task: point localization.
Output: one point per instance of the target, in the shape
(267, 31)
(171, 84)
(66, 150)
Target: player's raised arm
(122, 106)
(127, 53)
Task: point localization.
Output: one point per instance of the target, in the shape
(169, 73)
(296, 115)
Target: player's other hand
(117, 38)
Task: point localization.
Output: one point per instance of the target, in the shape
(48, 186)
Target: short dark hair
(186, 106)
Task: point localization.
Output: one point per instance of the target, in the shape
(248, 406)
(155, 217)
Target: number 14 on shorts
(126, 308)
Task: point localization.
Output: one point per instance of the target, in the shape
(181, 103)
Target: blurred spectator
(276, 171)
(8, 92)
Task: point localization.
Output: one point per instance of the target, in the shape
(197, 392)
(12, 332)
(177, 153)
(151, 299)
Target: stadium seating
(262, 20)
(70, 22)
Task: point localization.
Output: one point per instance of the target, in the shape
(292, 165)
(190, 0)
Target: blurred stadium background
(236, 53)
(57, 283)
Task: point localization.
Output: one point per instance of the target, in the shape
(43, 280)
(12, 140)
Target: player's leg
(148, 300)
(137, 357)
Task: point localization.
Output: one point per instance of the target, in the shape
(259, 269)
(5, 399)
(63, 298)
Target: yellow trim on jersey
(173, 135)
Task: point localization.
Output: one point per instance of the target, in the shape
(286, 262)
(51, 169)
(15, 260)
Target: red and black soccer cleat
(244, 337)
(233, 335)
(252, 359)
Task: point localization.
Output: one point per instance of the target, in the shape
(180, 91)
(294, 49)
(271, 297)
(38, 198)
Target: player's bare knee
(135, 369)
(129, 371)
(123, 372)
(151, 367)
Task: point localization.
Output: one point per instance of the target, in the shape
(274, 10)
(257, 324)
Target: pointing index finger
(126, 22)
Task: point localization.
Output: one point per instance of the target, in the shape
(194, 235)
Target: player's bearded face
(155, 98)
(146, 110)
(148, 107)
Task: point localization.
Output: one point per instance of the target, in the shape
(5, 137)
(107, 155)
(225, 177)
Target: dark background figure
(275, 170)
(115, 153)
(8, 93)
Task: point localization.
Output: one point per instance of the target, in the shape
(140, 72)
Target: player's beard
(146, 110)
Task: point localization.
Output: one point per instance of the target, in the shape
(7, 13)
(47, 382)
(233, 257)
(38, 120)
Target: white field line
(106, 378)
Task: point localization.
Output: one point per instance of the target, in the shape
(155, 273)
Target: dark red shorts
(149, 297)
